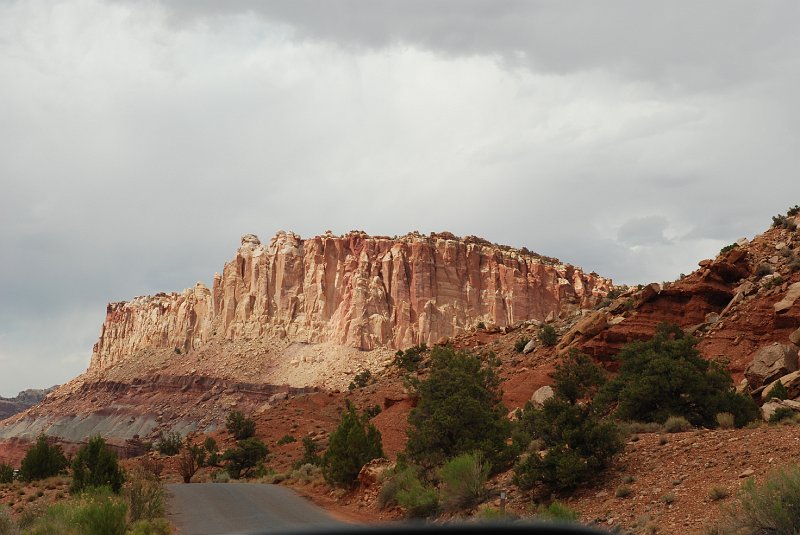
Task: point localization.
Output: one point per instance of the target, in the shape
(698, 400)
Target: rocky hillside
(293, 316)
(23, 400)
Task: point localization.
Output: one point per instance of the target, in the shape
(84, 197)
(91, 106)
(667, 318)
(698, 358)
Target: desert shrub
(406, 490)
(547, 335)
(306, 473)
(42, 460)
(793, 211)
(56, 519)
(102, 515)
(360, 380)
(210, 445)
(520, 344)
(781, 413)
(632, 428)
(411, 358)
(481, 326)
(6, 473)
(763, 270)
(718, 493)
(286, 439)
(352, 444)
(725, 420)
(6, 523)
(144, 495)
(244, 458)
(778, 391)
(728, 248)
(623, 491)
(151, 465)
(665, 376)
(578, 443)
(557, 511)
(779, 221)
(169, 443)
(310, 455)
(192, 457)
(220, 476)
(669, 498)
(464, 480)
(676, 424)
(773, 282)
(95, 465)
(240, 426)
(157, 526)
(373, 411)
(772, 507)
(459, 410)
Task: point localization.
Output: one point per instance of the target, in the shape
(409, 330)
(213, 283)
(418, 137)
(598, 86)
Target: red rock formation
(354, 290)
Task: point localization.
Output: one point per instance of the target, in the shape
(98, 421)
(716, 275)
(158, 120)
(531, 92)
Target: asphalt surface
(240, 508)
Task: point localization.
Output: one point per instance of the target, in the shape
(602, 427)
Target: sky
(141, 139)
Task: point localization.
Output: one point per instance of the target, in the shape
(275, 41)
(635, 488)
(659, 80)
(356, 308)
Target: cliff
(354, 290)
(23, 400)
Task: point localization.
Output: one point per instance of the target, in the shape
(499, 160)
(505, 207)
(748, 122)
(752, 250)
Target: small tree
(6, 473)
(212, 449)
(665, 376)
(459, 410)
(42, 460)
(95, 465)
(778, 391)
(547, 335)
(310, 455)
(245, 457)
(240, 426)
(577, 442)
(169, 444)
(192, 457)
(353, 444)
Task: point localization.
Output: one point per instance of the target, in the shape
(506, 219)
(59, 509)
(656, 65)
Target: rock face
(770, 363)
(353, 290)
(23, 400)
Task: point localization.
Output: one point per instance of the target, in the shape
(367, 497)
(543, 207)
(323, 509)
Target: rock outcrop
(353, 290)
(23, 400)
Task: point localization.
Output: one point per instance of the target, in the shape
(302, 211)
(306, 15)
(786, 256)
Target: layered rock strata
(353, 290)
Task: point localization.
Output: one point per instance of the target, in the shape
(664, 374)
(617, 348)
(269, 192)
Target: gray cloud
(141, 140)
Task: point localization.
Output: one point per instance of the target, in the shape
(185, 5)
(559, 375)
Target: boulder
(788, 300)
(530, 346)
(769, 408)
(771, 362)
(371, 472)
(541, 395)
(795, 337)
(586, 328)
(791, 381)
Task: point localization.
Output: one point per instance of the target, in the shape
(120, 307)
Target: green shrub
(42, 461)
(418, 501)
(459, 410)
(310, 455)
(95, 465)
(772, 507)
(411, 358)
(240, 426)
(102, 515)
(781, 413)
(725, 420)
(665, 376)
(623, 491)
(352, 444)
(244, 458)
(520, 344)
(557, 511)
(578, 443)
(361, 380)
(676, 424)
(547, 335)
(373, 411)
(778, 391)
(6, 473)
(158, 526)
(170, 443)
(728, 248)
(192, 457)
(144, 495)
(286, 439)
(210, 445)
(6, 523)
(464, 480)
(669, 498)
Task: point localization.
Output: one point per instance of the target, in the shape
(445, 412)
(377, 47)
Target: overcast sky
(141, 139)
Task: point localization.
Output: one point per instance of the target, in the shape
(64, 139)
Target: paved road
(240, 508)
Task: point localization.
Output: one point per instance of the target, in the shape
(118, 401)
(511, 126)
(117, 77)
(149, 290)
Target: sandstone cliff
(353, 290)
